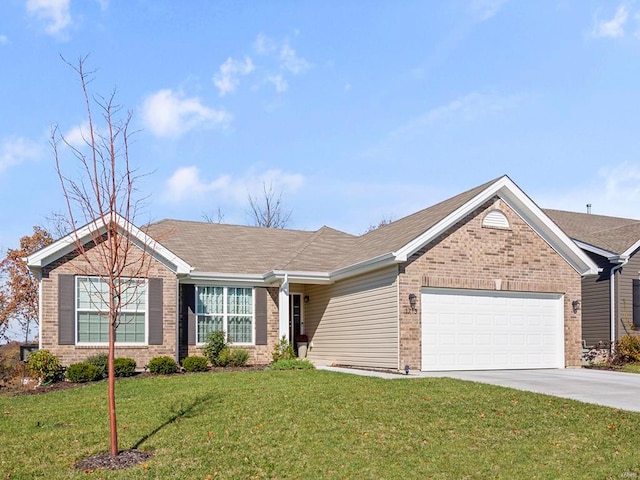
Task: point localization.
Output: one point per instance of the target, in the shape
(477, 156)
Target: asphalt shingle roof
(609, 233)
(212, 247)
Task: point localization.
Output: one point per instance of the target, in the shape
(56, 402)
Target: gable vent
(495, 219)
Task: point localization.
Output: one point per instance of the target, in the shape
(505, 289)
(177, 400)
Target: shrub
(239, 357)
(627, 349)
(100, 360)
(216, 344)
(124, 367)
(292, 364)
(163, 365)
(195, 364)
(83, 372)
(283, 351)
(45, 366)
(233, 357)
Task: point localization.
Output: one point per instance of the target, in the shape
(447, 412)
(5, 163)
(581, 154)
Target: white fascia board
(363, 267)
(547, 229)
(82, 235)
(403, 254)
(597, 250)
(629, 251)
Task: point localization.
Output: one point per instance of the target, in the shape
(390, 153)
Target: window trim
(225, 314)
(103, 344)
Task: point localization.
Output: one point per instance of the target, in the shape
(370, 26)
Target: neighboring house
(610, 299)
(483, 280)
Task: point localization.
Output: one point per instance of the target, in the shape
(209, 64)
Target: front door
(295, 318)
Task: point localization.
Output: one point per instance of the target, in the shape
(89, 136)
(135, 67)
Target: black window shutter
(636, 302)
(66, 309)
(155, 312)
(261, 316)
(188, 313)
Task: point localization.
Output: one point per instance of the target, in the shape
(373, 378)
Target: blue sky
(354, 110)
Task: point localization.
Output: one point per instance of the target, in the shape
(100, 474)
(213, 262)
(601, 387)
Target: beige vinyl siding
(355, 321)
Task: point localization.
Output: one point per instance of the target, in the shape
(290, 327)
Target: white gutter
(621, 261)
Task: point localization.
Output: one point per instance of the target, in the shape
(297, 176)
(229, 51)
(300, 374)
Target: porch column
(283, 308)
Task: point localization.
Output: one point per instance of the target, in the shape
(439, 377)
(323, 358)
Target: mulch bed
(124, 459)
(20, 390)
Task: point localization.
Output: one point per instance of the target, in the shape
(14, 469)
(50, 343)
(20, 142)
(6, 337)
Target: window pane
(93, 327)
(240, 329)
(93, 294)
(240, 301)
(131, 328)
(210, 300)
(206, 325)
(133, 294)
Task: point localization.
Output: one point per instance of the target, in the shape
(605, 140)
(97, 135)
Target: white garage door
(489, 330)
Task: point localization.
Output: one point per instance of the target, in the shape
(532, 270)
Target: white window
(92, 311)
(229, 309)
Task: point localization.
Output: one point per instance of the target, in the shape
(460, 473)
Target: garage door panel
(470, 329)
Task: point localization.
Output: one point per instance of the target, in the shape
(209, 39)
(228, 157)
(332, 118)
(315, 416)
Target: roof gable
(85, 234)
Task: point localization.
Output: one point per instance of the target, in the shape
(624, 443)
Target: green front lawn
(317, 424)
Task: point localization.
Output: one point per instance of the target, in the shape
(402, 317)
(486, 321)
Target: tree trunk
(112, 383)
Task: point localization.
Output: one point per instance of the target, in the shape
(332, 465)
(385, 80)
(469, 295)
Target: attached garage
(491, 330)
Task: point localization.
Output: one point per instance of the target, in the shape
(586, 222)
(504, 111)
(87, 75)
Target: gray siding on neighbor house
(354, 321)
(596, 309)
(596, 304)
(624, 305)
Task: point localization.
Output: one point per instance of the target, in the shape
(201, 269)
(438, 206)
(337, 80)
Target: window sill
(96, 346)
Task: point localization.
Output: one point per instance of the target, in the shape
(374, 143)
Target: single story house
(483, 280)
(611, 298)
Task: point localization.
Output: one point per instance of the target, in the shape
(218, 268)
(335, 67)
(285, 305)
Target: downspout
(621, 261)
(283, 308)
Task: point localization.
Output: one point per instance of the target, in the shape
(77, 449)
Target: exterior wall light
(576, 306)
(306, 299)
(412, 301)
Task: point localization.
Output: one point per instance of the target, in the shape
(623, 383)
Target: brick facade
(77, 265)
(472, 256)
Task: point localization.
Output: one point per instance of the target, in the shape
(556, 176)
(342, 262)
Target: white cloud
(228, 79)
(56, 14)
(170, 114)
(284, 61)
(291, 62)
(77, 135)
(613, 28)
(4, 40)
(264, 45)
(466, 109)
(483, 10)
(615, 191)
(14, 151)
(279, 82)
(188, 183)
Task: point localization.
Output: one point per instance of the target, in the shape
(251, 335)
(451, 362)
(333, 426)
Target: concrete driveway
(601, 387)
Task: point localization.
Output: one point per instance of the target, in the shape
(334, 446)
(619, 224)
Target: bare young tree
(385, 220)
(103, 197)
(209, 218)
(268, 211)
